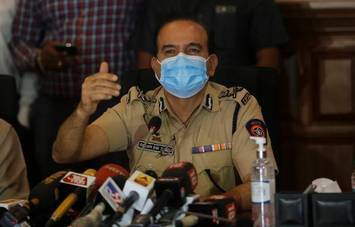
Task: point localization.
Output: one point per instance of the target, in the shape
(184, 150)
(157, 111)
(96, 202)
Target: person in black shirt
(244, 32)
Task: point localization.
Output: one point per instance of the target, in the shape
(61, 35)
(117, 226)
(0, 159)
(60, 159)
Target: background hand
(51, 59)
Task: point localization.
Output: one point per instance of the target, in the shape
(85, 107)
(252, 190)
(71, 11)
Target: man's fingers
(104, 67)
(105, 83)
(106, 76)
(97, 97)
(105, 90)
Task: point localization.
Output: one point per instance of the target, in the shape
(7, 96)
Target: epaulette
(238, 94)
(136, 94)
(230, 93)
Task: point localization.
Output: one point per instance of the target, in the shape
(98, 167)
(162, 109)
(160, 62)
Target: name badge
(162, 149)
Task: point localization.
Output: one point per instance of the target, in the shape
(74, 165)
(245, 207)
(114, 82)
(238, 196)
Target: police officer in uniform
(242, 32)
(202, 122)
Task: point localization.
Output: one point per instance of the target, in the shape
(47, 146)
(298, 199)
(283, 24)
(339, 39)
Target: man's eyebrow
(167, 46)
(195, 45)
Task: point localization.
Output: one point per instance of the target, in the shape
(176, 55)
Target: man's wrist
(81, 114)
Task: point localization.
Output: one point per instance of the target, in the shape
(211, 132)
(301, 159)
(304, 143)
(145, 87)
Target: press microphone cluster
(110, 197)
(174, 192)
(63, 193)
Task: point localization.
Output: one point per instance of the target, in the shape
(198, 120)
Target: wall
(318, 93)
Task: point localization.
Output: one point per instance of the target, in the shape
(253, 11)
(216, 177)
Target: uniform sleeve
(114, 123)
(267, 28)
(244, 148)
(115, 129)
(27, 30)
(13, 173)
(117, 122)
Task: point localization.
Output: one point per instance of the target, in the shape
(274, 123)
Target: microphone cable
(208, 171)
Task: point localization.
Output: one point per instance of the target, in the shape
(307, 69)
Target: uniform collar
(210, 101)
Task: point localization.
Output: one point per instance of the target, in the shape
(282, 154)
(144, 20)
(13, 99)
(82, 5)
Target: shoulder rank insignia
(135, 94)
(231, 92)
(143, 97)
(246, 98)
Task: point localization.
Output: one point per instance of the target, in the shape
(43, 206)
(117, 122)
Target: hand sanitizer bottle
(262, 187)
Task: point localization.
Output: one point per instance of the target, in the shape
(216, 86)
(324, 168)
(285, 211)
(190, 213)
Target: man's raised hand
(100, 86)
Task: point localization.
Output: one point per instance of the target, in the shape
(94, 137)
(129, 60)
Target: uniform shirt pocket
(218, 162)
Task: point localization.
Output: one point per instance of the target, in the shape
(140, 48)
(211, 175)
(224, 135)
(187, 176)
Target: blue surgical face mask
(183, 75)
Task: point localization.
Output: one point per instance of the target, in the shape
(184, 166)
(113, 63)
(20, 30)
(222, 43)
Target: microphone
(140, 183)
(178, 180)
(92, 219)
(118, 201)
(2, 211)
(109, 170)
(12, 212)
(181, 179)
(215, 210)
(151, 173)
(111, 191)
(106, 171)
(186, 172)
(16, 216)
(44, 197)
(154, 125)
(84, 180)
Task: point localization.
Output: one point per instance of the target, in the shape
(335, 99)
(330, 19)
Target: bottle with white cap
(262, 187)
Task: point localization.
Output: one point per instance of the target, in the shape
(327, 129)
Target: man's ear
(155, 66)
(212, 65)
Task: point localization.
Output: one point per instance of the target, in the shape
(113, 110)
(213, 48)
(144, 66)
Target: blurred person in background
(7, 11)
(16, 97)
(242, 32)
(62, 41)
(13, 174)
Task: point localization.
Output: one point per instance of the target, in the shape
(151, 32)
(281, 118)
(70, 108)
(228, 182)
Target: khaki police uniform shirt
(206, 140)
(13, 174)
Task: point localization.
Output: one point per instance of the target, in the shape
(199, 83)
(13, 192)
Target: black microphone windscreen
(186, 171)
(2, 211)
(154, 124)
(217, 206)
(151, 173)
(120, 180)
(109, 170)
(45, 196)
(19, 212)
